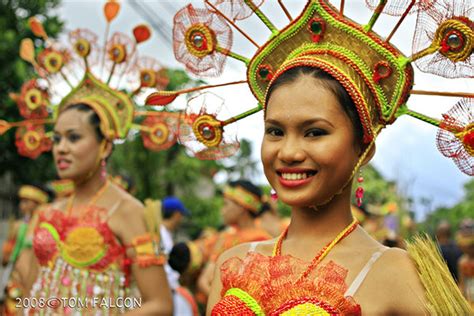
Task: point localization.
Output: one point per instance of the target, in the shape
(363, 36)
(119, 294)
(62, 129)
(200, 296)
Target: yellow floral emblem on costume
(306, 309)
(83, 246)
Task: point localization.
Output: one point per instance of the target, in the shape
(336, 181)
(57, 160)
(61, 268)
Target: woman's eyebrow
(315, 120)
(70, 130)
(272, 121)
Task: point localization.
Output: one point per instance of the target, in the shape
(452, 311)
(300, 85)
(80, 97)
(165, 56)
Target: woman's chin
(66, 175)
(302, 200)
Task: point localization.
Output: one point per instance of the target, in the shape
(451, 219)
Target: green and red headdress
(110, 79)
(378, 76)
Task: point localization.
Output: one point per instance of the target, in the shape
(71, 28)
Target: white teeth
(294, 176)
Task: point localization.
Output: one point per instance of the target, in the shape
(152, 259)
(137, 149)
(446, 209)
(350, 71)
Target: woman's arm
(205, 278)
(216, 287)
(151, 280)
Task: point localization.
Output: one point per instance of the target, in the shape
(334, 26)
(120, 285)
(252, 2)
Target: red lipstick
(292, 183)
(63, 164)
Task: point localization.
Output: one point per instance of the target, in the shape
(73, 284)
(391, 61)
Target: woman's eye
(315, 132)
(56, 139)
(272, 131)
(74, 137)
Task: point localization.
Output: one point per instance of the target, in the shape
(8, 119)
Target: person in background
(465, 240)
(173, 212)
(269, 219)
(31, 197)
(449, 250)
(17, 254)
(243, 203)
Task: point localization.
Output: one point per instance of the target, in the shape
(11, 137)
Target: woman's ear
(370, 154)
(107, 149)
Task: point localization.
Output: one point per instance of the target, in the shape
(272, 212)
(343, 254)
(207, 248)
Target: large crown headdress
(378, 77)
(109, 79)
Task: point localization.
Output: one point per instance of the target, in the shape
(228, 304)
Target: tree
(13, 73)
(454, 215)
(241, 165)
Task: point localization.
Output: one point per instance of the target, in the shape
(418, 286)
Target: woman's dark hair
(250, 187)
(180, 257)
(94, 119)
(330, 83)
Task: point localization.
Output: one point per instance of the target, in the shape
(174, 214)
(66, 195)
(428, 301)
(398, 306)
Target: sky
(406, 150)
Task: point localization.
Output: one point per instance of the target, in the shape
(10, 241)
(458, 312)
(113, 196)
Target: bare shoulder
(129, 205)
(238, 251)
(396, 267)
(48, 208)
(395, 285)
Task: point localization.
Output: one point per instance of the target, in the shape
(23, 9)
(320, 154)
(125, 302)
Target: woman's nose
(61, 146)
(291, 151)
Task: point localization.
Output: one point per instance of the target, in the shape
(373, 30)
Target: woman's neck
(85, 190)
(245, 221)
(308, 223)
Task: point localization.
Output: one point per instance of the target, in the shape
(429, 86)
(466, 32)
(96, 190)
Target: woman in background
(243, 203)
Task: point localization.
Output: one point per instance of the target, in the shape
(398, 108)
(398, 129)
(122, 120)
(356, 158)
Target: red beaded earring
(103, 172)
(273, 194)
(359, 193)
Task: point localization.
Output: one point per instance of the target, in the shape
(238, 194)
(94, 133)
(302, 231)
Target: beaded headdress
(244, 198)
(378, 77)
(33, 193)
(109, 79)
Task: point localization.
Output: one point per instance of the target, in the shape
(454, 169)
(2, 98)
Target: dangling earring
(103, 171)
(359, 193)
(273, 194)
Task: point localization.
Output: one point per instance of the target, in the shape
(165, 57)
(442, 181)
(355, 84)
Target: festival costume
(234, 235)
(377, 76)
(79, 255)
(26, 192)
(21, 235)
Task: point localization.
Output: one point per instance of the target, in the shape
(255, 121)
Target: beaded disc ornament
(108, 76)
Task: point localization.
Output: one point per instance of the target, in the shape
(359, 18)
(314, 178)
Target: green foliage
(13, 73)
(241, 165)
(205, 213)
(454, 215)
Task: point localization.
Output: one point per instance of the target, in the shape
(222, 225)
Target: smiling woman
(308, 157)
(328, 86)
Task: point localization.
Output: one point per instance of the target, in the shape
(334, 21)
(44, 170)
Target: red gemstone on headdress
(265, 72)
(469, 139)
(207, 131)
(382, 70)
(453, 41)
(316, 27)
(360, 179)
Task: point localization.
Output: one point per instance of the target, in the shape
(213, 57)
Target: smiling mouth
(294, 176)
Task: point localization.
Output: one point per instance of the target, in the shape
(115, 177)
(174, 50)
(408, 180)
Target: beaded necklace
(94, 198)
(322, 253)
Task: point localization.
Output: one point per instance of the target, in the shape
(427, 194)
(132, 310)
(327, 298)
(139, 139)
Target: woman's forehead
(73, 120)
(303, 105)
